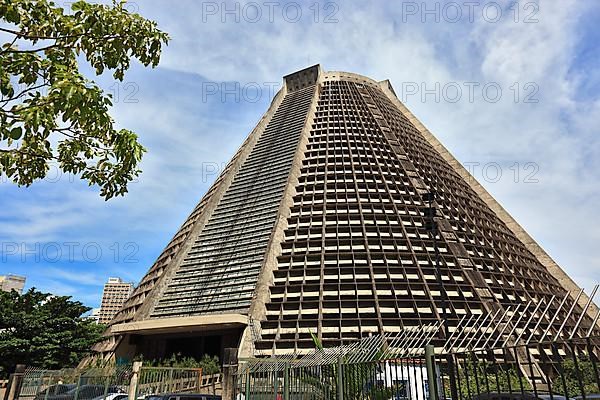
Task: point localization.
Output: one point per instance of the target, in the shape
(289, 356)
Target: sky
(510, 88)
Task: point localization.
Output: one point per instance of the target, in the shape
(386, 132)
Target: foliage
(498, 378)
(357, 379)
(45, 331)
(318, 344)
(209, 364)
(476, 376)
(584, 370)
(49, 112)
(381, 393)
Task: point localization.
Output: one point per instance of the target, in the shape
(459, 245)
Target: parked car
(520, 396)
(113, 396)
(546, 396)
(183, 396)
(54, 390)
(86, 392)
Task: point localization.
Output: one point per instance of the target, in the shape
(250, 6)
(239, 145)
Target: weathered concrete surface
(531, 245)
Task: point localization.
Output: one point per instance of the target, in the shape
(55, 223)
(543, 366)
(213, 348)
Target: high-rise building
(115, 293)
(94, 315)
(12, 282)
(321, 224)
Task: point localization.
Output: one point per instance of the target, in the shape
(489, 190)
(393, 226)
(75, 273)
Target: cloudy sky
(511, 88)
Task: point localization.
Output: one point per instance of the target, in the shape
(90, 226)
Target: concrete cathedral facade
(316, 226)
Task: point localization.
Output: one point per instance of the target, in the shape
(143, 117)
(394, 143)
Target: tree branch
(56, 39)
(9, 46)
(5, 101)
(36, 50)
(75, 135)
(28, 36)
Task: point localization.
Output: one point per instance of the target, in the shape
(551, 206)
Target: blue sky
(541, 132)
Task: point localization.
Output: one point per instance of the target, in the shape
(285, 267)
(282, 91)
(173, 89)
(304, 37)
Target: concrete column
(230, 366)
(137, 365)
(340, 382)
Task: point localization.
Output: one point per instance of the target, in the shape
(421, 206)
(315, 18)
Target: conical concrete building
(322, 224)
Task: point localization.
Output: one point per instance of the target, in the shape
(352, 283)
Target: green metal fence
(562, 369)
(390, 379)
(558, 370)
(378, 367)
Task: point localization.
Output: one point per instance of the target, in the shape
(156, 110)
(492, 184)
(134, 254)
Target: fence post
(199, 380)
(248, 383)
(229, 372)
(48, 391)
(451, 369)
(78, 385)
(286, 382)
(431, 370)
(340, 385)
(14, 382)
(135, 370)
(106, 383)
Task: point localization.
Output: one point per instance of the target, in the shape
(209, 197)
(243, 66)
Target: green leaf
(59, 105)
(16, 133)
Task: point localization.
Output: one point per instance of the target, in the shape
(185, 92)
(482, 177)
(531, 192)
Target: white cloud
(79, 277)
(559, 133)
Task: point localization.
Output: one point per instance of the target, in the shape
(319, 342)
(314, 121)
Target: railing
(154, 380)
(549, 370)
(73, 384)
(85, 384)
(399, 378)
(211, 384)
(553, 370)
